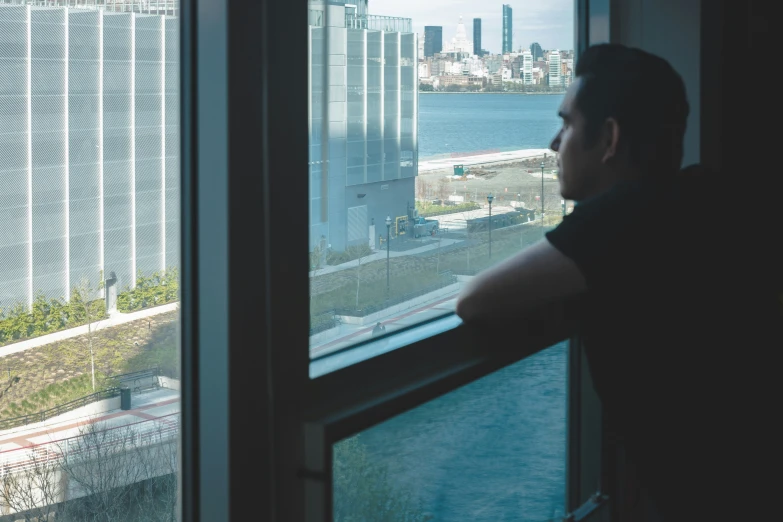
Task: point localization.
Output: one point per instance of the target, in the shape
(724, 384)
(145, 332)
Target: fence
(81, 446)
(41, 416)
(464, 207)
(138, 381)
(446, 279)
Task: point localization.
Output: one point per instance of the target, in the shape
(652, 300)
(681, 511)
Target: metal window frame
(245, 292)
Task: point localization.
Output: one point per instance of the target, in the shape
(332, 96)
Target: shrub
(159, 288)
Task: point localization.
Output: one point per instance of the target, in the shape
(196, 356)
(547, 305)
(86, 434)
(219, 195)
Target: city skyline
(548, 22)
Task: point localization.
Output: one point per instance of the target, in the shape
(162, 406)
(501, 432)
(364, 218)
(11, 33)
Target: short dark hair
(643, 93)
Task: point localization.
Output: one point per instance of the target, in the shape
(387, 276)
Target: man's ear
(610, 139)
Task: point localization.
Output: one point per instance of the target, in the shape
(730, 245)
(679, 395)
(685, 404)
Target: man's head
(623, 117)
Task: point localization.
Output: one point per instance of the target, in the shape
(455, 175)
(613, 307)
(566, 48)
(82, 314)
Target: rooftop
(162, 7)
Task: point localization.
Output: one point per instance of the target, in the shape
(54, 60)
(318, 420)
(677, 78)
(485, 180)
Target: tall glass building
(363, 123)
(433, 40)
(477, 36)
(507, 29)
(89, 147)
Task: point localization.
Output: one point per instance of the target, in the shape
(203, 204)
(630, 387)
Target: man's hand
(536, 290)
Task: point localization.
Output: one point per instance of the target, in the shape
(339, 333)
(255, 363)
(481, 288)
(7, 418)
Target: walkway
(146, 406)
(114, 319)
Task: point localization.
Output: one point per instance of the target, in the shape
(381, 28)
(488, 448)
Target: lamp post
(388, 232)
(490, 197)
(542, 194)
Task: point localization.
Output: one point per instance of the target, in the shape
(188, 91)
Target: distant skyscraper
(477, 36)
(527, 67)
(507, 29)
(536, 51)
(433, 39)
(555, 78)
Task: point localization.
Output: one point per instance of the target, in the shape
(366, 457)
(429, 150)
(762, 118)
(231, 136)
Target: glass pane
(89, 260)
(492, 450)
(413, 130)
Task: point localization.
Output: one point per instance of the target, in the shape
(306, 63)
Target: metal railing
(446, 279)
(155, 7)
(82, 446)
(465, 208)
(41, 416)
(137, 381)
(389, 24)
(315, 18)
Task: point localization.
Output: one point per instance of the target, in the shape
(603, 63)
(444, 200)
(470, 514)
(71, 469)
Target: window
(89, 259)
(482, 452)
(450, 184)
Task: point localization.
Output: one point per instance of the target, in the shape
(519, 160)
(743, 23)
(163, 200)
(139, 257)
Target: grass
(371, 293)
(39, 378)
(53, 395)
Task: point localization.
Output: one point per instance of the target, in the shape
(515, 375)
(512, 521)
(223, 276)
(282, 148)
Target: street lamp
(490, 197)
(542, 194)
(388, 232)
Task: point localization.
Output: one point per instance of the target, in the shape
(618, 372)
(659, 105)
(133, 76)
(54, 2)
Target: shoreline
(435, 164)
(561, 93)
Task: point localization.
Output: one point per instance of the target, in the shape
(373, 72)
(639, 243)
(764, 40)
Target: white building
(555, 78)
(527, 68)
(424, 70)
(460, 43)
(98, 189)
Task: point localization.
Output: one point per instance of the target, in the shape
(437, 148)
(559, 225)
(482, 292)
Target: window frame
(257, 431)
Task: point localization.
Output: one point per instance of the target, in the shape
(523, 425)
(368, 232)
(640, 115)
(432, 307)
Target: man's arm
(538, 290)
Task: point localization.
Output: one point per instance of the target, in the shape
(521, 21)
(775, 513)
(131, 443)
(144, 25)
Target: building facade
(527, 68)
(507, 29)
(536, 51)
(433, 40)
(477, 36)
(89, 148)
(363, 119)
(555, 76)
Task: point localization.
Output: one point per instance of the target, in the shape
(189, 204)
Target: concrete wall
(385, 198)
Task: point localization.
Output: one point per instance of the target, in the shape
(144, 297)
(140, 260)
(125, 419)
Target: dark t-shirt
(680, 328)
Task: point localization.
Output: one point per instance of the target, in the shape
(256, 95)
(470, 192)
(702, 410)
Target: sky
(548, 22)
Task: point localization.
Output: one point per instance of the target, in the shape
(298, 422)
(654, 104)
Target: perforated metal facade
(89, 146)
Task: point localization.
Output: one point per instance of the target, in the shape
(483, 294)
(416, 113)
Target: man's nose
(555, 145)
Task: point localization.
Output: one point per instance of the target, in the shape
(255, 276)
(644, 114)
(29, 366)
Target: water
(479, 122)
(494, 450)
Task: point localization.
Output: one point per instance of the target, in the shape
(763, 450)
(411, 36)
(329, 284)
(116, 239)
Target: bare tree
(83, 297)
(31, 489)
(120, 474)
(443, 190)
(359, 259)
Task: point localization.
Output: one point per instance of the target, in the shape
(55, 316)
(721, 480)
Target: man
(671, 297)
(378, 329)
